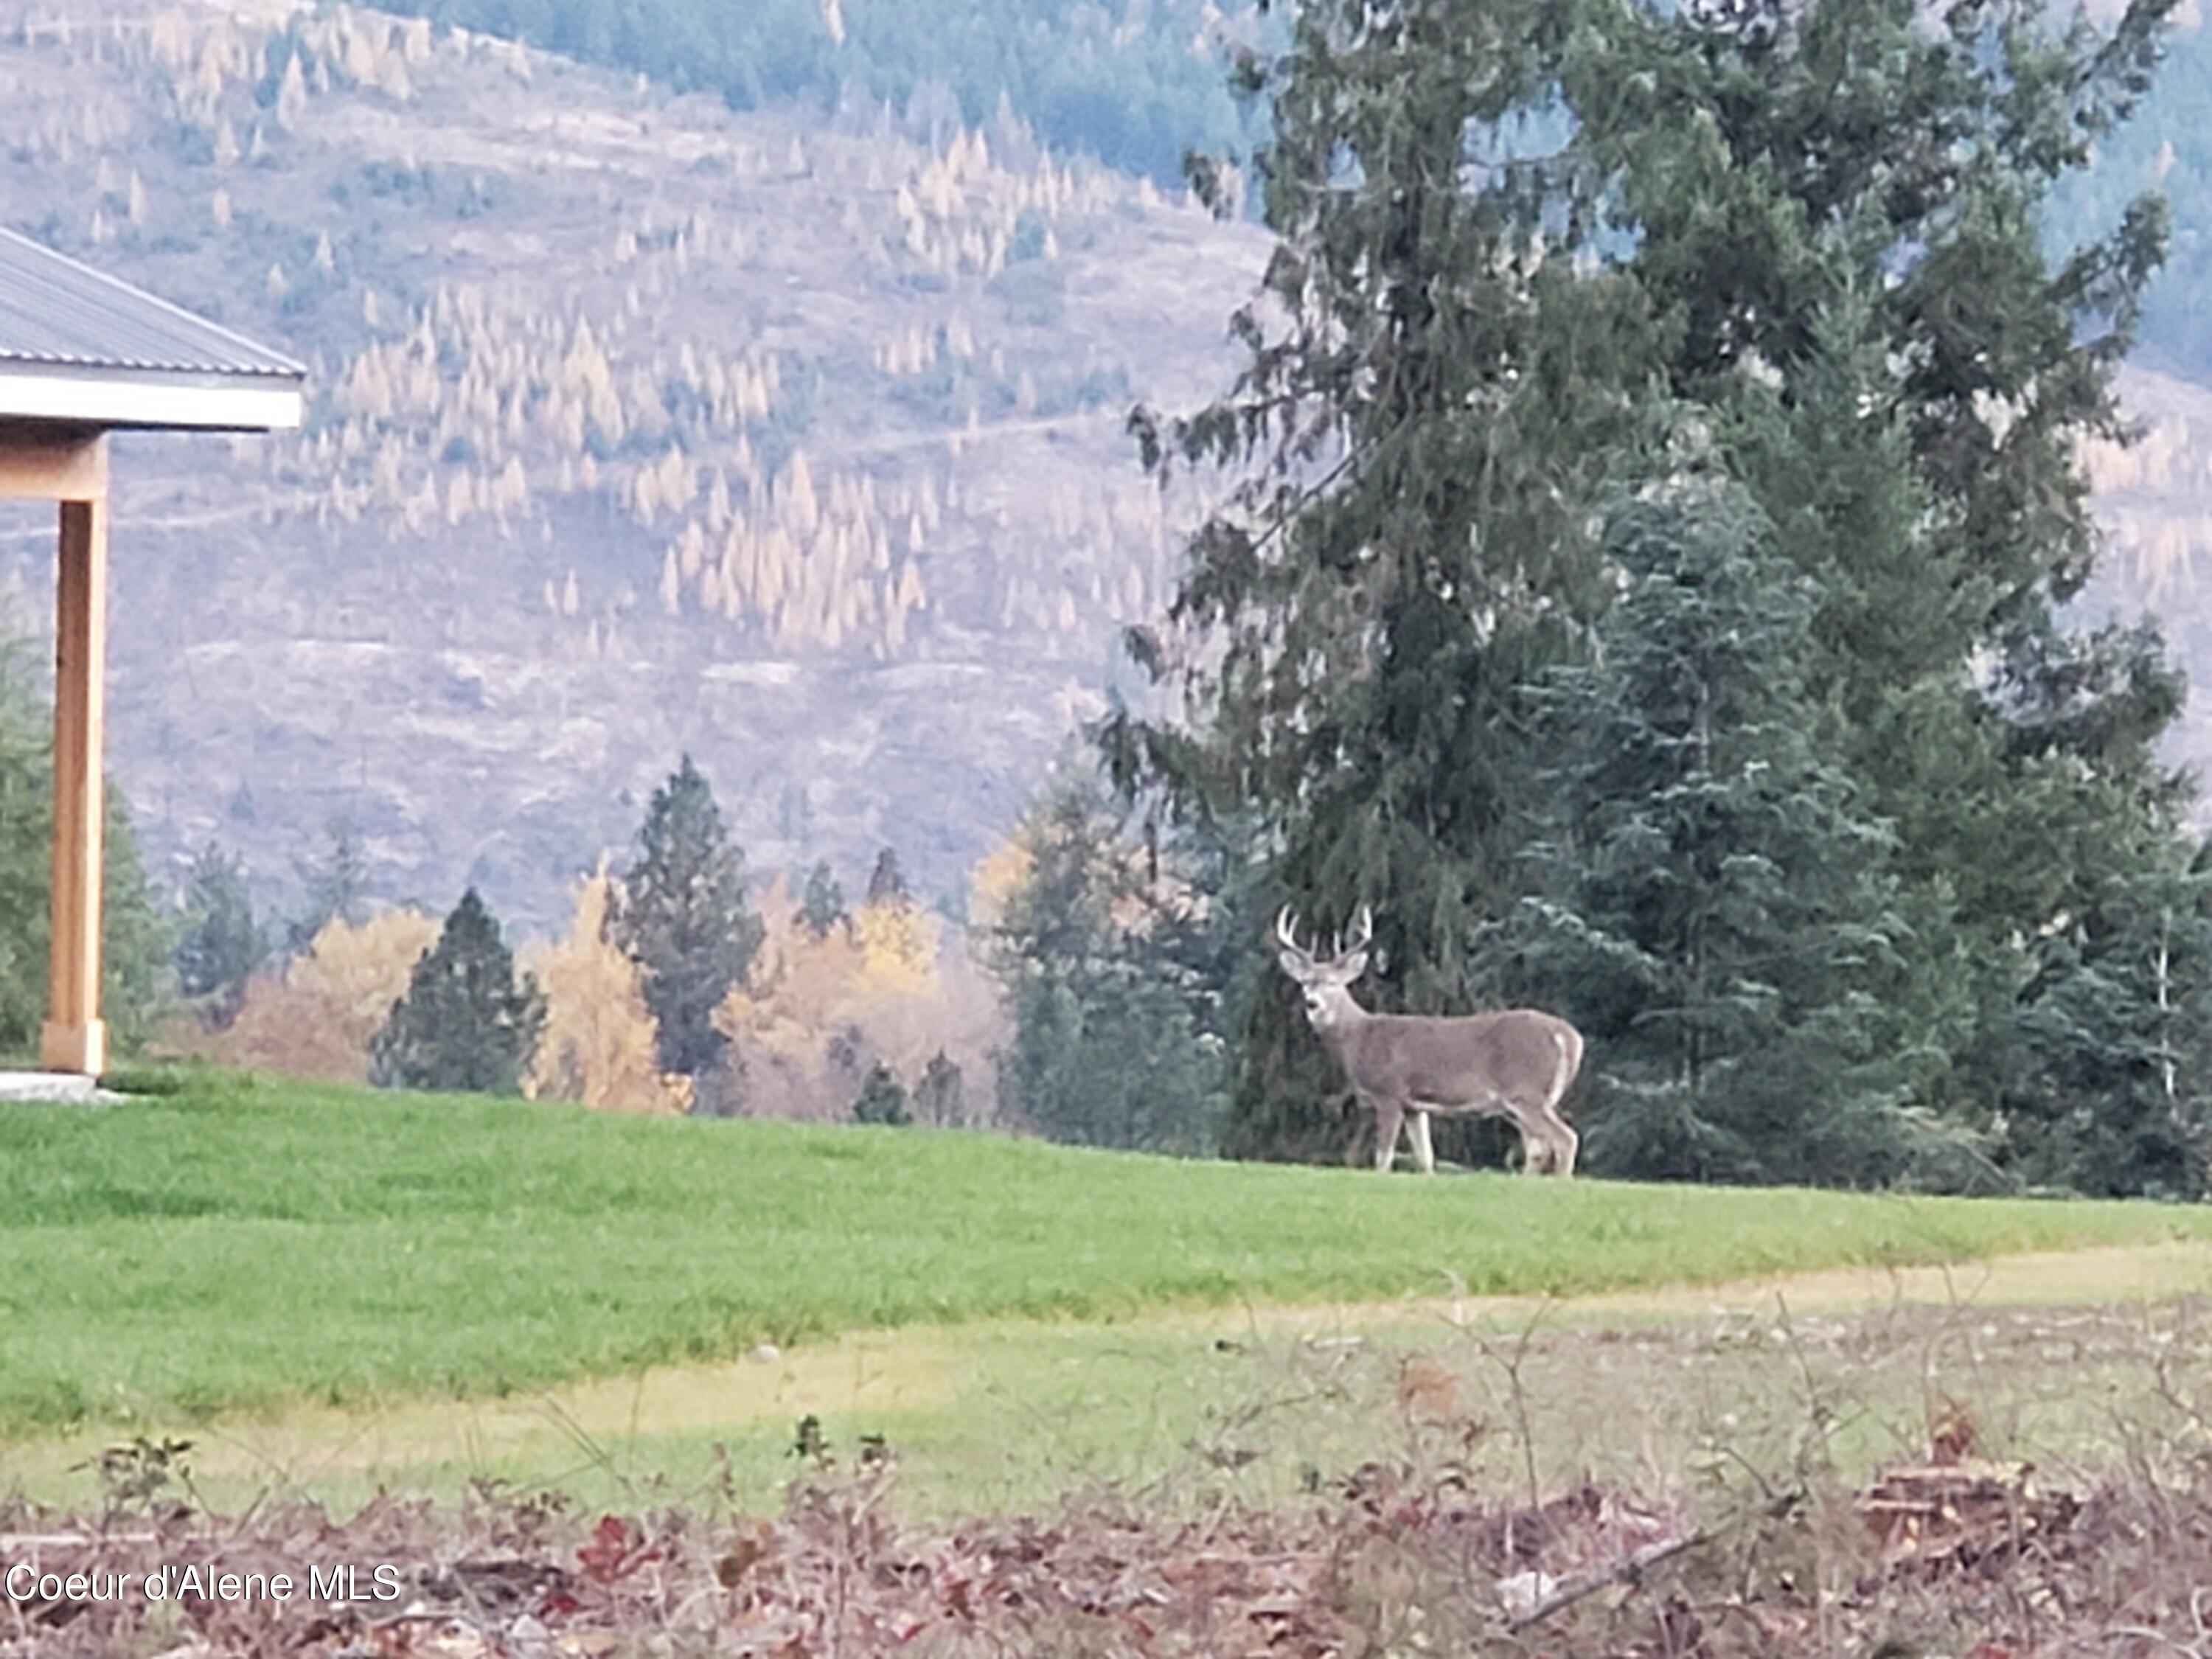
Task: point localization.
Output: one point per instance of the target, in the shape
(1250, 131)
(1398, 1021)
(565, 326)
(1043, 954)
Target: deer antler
(1363, 930)
(1362, 934)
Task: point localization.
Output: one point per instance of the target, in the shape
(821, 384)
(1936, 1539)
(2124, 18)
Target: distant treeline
(1135, 85)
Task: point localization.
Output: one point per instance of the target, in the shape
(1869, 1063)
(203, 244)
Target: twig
(2145, 1633)
(13, 1543)
(1631, 1568)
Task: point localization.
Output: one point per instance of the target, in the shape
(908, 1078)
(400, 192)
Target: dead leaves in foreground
(1948, 1556)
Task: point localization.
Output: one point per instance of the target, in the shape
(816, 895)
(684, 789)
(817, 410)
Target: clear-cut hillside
(637, 426)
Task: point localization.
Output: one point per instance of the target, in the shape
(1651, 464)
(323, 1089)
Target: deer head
(1327, 982)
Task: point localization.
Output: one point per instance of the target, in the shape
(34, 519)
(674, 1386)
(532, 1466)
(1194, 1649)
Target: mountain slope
(641, 425)
(638, 426)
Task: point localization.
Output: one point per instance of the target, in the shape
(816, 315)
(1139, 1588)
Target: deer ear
(1295, 967)
(1352, 966)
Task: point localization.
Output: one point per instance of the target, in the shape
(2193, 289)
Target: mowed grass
(248, 1244)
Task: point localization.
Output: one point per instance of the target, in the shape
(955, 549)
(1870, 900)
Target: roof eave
(142, 400)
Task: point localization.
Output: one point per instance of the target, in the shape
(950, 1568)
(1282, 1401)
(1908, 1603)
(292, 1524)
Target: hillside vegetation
(1134, 84)
(788, 433)
(636, 424)
(242, 1242)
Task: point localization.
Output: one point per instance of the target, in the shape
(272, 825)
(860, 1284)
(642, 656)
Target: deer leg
(1565, 1143)
(1535, 1152)
(1425, 1152)
(1547, 1144)
(1388, 1113)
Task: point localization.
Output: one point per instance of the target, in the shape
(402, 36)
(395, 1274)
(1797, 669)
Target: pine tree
(887, 882)
(464, 1025)
(882, 1099)
(25, 792)
(139, 940)
(223, 943)
(940, 1095)
(1417, 443)
(2104, 1061)
(1498, 228)
(1906, 381)
(683, 918)
(1718, 918)
(1116, 1036)
(336, 885)
(136, 940)
(823, 907)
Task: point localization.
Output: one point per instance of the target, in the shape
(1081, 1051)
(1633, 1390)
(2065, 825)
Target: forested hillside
(638, 424)
(755, 387)
(641, 421)
(1140, 85)
(1135, 83)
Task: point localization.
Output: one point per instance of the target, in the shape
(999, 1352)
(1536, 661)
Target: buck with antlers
(1515, 1063)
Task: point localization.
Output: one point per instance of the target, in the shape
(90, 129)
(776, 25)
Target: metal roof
(57, 313)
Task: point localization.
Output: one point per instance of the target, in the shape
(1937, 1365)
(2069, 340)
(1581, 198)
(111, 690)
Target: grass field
(248, 1244)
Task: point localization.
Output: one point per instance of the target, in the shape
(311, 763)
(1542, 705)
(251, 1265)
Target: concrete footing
(61, 1088)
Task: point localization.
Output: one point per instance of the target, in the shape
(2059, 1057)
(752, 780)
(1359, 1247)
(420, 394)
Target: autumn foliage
(315, 1019)
(818, 1012)
(892, 985)
(597, 1049)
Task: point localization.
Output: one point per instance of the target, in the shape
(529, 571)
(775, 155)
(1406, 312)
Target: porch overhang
(82, 354)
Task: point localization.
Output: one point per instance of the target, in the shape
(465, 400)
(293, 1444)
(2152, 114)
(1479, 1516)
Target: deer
(1513, 1063)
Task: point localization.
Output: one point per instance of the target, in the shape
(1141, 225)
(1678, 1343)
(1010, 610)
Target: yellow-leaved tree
(597, 1048)
(818, 1010)
(898, 942)
(998, 877)
(315, 1018)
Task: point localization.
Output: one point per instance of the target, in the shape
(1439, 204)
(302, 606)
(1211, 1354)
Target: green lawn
(247, 1243)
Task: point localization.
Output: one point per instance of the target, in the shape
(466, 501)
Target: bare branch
(1631, 1568)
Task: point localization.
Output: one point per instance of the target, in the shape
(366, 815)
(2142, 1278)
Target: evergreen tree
(134, 940)
(138, 938)
(223, 943)
(1499, 227)
(1418, 442)
(940, 1095)
(464, 1025)
(823, 907)
(336, 885)
(682, 916)
(26, 794)
(2102, 1064)
(882, 1099)
(1116, 1036)
(887, 882)
(1905, 379)
(1718, 922)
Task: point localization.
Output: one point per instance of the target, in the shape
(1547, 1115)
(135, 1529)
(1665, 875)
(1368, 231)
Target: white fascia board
(244, 406)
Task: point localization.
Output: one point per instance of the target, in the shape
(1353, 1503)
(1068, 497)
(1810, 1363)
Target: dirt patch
(2123, 1272)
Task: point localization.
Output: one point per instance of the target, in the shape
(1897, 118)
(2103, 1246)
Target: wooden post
(75, 1037)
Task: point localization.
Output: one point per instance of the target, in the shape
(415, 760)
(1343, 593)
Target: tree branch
(1631, 1568)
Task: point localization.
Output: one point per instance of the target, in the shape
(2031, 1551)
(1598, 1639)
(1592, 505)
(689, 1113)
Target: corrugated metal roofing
(58, 313)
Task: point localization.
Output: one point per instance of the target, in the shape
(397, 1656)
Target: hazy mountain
(791, 437)
(637, 425)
